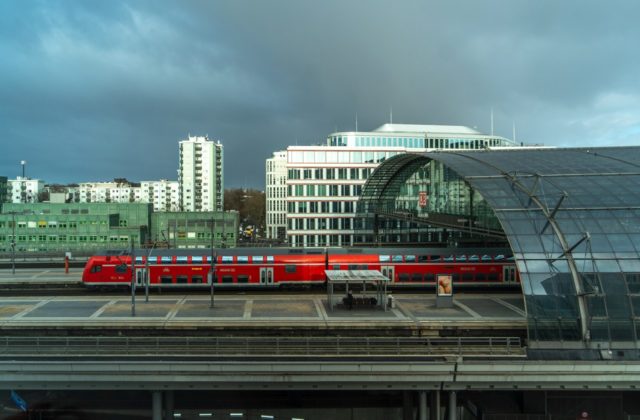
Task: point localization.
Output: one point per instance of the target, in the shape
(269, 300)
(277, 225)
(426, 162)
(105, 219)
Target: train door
(509, 274)
(388, 271)
(141, 273)
(266, 276)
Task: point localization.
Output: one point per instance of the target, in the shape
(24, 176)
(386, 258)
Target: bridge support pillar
(156, 405)
(453, 409)
(422, 405)
(434, 406)
(168, 405)
(407, 405)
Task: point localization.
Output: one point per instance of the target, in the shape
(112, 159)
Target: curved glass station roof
(571, 217)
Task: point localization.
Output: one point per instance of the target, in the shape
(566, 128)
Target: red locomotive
(269, 267)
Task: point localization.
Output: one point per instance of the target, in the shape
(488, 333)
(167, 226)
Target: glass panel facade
(570, 216)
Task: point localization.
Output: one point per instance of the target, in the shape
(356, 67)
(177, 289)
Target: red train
(269, 267)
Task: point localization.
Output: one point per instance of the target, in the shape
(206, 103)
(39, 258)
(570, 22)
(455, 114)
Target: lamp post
(13, 243)
(146, 273)
(133, 279)
(212, 262)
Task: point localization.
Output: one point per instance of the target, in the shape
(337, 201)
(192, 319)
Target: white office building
(24, 190)
(276, 193)
(200, 175)
(324, 182)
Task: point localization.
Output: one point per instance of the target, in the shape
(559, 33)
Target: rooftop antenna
(391, 115)
(356, 122)
(492, 121)
(514, 131)
(23, 163)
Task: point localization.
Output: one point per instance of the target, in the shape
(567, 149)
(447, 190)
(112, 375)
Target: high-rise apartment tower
(200, 174)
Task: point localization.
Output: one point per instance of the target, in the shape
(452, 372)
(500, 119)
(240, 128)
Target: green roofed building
(195, 229)
(73, 226)
(98, 226)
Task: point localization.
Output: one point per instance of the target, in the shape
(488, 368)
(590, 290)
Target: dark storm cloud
(97, 90)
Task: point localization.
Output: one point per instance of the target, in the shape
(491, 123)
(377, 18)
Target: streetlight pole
(212, 262)
(133, 279)
(13, 243)
(146, 274)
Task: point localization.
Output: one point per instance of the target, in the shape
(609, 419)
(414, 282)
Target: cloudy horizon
(93, 91)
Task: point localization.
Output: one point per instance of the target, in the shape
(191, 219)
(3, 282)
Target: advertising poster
(445, 285)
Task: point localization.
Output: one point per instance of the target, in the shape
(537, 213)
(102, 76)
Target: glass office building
(324, 182)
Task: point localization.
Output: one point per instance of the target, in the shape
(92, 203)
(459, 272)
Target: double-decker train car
(270, 267)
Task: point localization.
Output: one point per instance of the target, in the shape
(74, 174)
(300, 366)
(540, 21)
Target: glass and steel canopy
(571, 217)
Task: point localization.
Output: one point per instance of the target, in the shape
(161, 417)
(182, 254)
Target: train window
(384, 258)
(197, 259)
(165, 260)
(196, 279)
(396, 259)
(181, 279)
(474, 258)
(430, 277)
(139, 260)
(121, 268)
(448, 259)
(354, 267)
(166, 279)
(416, 277)
(493, 276)
(243, 279)
(510, 258)
(257, 259)
(270, 259)
(467, 277)
(336, 267)
(290, 268)
(499, 257)
(410, 258)
(481, 277)
(243, 259)
(461, 258)
(227, 259)
(423, 258)
(403, 277)
(486, 258)
(227, 279)
(96, 269)
(455, 277)
(436, 258)
(181, 260)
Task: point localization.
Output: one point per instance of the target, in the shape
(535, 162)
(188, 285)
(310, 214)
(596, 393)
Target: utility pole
(146, 273)
(13, 243)
(212, 262)
(133, 279)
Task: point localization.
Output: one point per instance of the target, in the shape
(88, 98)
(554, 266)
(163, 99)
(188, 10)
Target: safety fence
(264, 346)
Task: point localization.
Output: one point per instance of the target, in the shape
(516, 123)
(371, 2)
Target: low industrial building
(91, 226)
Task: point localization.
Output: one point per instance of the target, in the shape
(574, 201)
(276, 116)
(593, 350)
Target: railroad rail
(263, 346)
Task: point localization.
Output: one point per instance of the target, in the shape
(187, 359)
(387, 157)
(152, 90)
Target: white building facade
(200, 175)
(275, 194)
(163, 194)
(106, 192)
(24, 190)
(324, 182)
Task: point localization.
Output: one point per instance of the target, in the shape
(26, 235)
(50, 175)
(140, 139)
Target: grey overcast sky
(94, 90)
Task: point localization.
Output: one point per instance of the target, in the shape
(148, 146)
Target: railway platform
(258, 314)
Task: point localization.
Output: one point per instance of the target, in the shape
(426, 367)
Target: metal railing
(265, 346)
